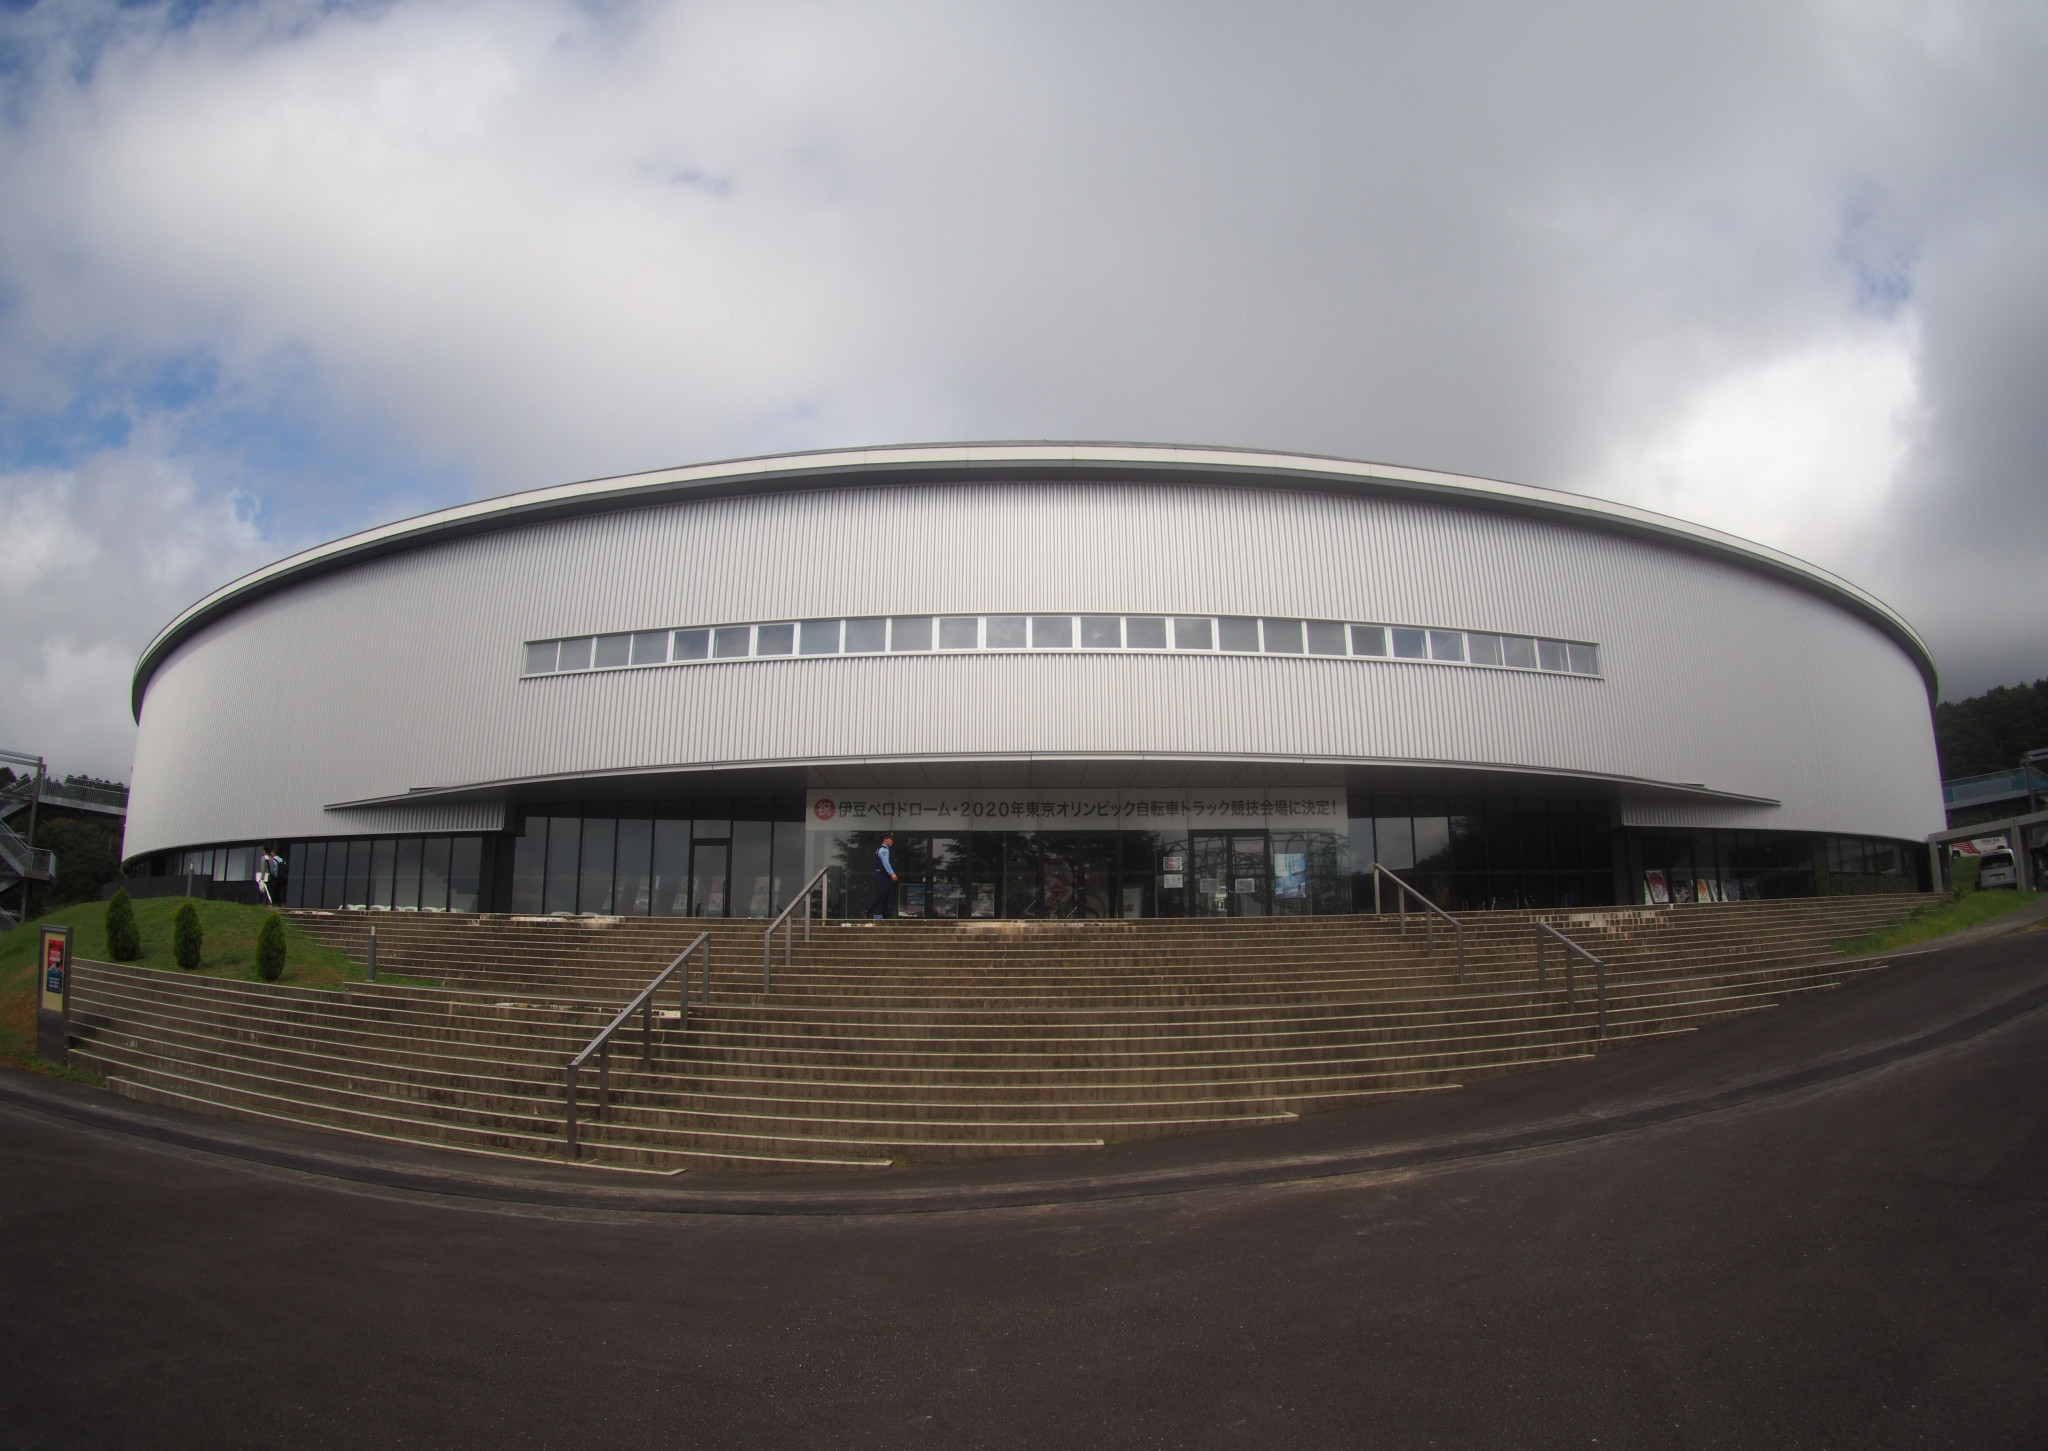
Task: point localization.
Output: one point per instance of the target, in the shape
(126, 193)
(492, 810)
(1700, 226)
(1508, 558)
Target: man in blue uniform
(884, 899)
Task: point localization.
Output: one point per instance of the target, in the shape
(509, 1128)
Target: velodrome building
(1074, 680)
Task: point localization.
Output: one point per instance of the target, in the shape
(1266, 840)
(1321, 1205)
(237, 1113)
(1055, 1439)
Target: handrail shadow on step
(782, 920)
(1400, 901)
(1544, 931)
(643, 1003)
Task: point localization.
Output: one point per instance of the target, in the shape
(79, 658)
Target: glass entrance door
(1250, 887)
(1208, 875)
(708, 861)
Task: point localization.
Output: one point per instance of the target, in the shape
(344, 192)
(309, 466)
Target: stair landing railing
(785, 923)
(1430, 912)
(601, 1045)
(1544, 933)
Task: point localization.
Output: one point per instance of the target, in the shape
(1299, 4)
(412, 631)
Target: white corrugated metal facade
(1733, 691)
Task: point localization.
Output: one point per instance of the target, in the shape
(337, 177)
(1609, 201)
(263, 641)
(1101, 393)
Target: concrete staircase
(913, 1041)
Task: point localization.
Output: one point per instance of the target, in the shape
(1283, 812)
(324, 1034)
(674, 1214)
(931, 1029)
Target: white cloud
(1803, 451)
(96, 558)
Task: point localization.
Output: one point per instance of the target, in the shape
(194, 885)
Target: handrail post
(569, 1118)
(1542, 977)
(1600, 977)
(604, 1080)
(705, 996)
(647, 1036)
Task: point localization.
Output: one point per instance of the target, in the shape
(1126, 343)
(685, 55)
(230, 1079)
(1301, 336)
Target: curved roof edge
(917, 463)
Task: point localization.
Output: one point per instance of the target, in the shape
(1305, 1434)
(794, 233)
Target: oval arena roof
(1044, 462)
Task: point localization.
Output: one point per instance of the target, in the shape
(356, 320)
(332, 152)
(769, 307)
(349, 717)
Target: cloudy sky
(270, 272)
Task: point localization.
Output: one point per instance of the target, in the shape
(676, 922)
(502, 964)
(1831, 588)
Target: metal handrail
(1545, 930)
(643, 1003)
(782, 920)
(1429, 916)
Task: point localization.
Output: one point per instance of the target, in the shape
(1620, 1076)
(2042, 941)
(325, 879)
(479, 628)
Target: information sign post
(53, 997)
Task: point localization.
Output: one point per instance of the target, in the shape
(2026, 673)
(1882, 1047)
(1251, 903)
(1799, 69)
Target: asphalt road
(1825, 1226)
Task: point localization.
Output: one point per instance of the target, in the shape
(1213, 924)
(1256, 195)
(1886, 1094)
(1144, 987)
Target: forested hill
(1989, 732)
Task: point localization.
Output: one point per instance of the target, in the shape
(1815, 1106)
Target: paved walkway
(1821, 1226)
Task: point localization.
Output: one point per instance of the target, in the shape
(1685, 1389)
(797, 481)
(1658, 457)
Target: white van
(1996, 869)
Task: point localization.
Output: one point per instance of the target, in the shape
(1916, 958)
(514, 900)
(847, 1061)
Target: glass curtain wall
(1474, 854)
(663, 859)
(407, 873)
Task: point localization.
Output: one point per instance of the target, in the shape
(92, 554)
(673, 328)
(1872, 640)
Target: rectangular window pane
(1368, 640)
(594, 892)
(630, 869)
(1102, 632)
(575, 654)
(1447, 644)
(241, 864)
(434, 874)
(753, 868)
(614, 651)
(540, 657)
(1485, 648)
(692, 644)
(1411, 644)
(1325, 637)
(565, 838)
(909, 633)
(960, 632)
(335, 893)
(530, 865)
(405, 889)
(356, 886)
(867, 637)
(1394, 837)
(731, 642)
(1052, 632)
(1145, 632)
(1189, 634)
(775, 639)
(671, 869)
(650, 647)
(1283, 637)
(789, 862)
(820, 637)
(1520, 652)
(1005, 632)
(383, 859)
(1585, 659)
(1234, 632)
(1551, 655)
(307, 870)
(466, 874)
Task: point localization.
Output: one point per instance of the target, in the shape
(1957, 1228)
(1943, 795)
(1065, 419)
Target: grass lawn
(1972, 909)
(230, 951)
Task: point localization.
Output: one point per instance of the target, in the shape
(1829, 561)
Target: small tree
(270, 948)
(186, 938)
(124, 938)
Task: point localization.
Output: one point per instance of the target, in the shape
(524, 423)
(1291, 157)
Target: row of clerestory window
(926, 634)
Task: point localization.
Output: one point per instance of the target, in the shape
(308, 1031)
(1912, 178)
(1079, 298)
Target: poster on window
(1290, 875)
(1656, 889)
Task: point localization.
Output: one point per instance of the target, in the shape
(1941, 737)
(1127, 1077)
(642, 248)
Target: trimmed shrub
(124, 938)
(270, 948)
(186, 938)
